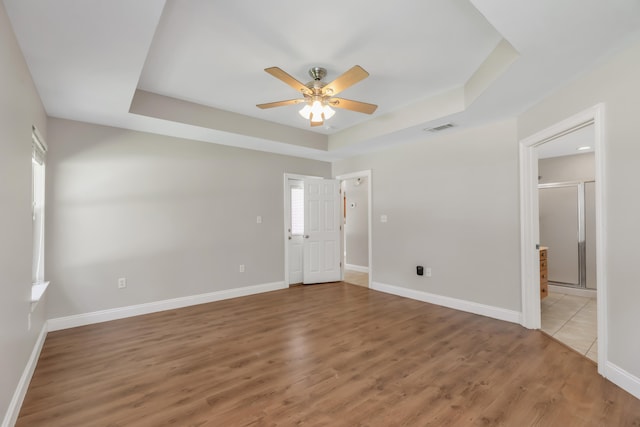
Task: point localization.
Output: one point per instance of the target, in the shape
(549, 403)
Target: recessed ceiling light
(584, 148)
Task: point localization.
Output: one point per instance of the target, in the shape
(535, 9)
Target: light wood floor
(321, 355)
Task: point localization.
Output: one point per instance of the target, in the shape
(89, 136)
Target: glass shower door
(559, 231)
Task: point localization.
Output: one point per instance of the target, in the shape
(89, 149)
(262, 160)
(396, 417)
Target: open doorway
(356, 202)
(530, 221)
(567, 220)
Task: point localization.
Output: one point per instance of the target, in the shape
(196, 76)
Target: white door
(295, 229)
(321, 231)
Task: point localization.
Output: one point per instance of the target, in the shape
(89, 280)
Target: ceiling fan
(319, 96)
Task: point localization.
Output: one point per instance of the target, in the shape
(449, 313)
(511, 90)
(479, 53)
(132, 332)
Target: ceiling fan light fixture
(318, 96)
(306, 111)
(316, 112)
(328, 112)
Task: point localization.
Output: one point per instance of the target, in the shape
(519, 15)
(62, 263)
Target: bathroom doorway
(566, 212)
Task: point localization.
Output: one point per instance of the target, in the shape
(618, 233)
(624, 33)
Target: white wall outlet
(122, 282)
(383, 218)
(427, 271)
(258, 219)
(241, 268)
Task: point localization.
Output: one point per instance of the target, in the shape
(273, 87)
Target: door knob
(306, 236)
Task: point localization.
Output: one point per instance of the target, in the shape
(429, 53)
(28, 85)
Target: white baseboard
(358, 268)
(153, 307)
(587, 293)
(457, 304)
(623, 379)
(13, 410)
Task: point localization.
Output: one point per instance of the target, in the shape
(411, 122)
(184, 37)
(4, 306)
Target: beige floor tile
(551, 327)
(571, 320)
(581, 345)
(356, 278)
(592, 353)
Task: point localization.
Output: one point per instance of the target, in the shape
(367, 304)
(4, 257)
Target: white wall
(20, 108)
(175, 217)
(356, 227)
(452, 205)
(616, 84)
(579, 167)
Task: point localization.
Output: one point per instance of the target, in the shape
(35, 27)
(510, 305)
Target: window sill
(37, 290)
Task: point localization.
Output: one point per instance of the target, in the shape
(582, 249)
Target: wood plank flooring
(322, 355)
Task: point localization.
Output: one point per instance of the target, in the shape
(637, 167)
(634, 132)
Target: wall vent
(439, 128)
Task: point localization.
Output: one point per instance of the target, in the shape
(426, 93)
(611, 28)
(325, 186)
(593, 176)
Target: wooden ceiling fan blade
(349, 78)
(280, 103)
(315, 123)
(347, 104)
(288, 79)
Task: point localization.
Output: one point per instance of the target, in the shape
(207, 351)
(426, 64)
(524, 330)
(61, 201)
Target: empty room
(334, 214)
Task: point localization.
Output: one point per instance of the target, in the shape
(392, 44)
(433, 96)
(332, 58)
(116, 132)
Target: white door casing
(294, 238)
(368, 175)
(530, 230)
(322, 231)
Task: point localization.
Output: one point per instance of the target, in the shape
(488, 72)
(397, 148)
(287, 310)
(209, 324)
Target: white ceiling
(569, 144)
(194, 68)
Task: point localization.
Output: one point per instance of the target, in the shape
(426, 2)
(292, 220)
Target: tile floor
(572, 320)
(356, 278)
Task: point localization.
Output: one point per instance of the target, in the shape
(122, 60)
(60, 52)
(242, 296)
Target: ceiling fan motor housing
(317, 73)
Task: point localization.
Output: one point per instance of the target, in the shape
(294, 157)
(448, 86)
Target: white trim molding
(153, 307)
(457, 304)
(529, 224)
(13, 410)
(287, 211)
(368, 175)
(623, 379)
(358, 268)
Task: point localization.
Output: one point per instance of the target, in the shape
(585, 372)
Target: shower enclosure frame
(581, 231)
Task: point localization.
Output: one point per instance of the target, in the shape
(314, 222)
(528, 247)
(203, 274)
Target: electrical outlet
(258, 219)
(383, 218)
(427, 271)
(241, 268)
(122, 282)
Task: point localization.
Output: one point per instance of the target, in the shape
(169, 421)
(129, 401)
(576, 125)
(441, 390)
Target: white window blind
(39, 147)
(297, 211)
(37, 203)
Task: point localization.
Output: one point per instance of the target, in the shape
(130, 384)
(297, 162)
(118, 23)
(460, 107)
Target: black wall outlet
(420, 270)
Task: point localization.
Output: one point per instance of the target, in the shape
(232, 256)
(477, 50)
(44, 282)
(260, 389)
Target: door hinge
(340, 263)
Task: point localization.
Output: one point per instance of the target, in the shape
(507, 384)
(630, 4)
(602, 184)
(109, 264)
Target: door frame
(529, 232)
(287, 207)
(362, 174)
